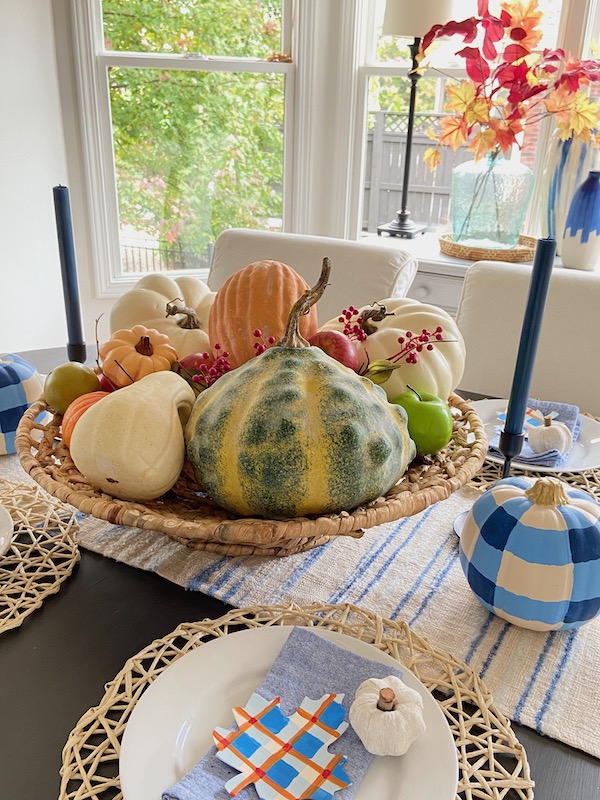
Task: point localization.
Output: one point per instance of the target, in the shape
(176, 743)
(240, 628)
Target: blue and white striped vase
(565, 166)
(581, 239)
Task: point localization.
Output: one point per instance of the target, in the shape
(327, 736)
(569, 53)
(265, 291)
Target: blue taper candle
(511, 438)
(75, 342)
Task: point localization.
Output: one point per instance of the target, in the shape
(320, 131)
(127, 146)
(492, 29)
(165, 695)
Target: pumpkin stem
(292, 336)
(387, 698)
(547, 421)
(189, 321)
(144, 346)
(375, 314)
(548, 491)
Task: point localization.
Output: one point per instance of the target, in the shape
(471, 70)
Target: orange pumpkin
(75, 410)
(131, 354)
(259, 296)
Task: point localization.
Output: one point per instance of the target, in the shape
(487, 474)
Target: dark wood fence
(429, 192)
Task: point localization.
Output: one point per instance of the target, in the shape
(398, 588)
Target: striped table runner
(409, 570)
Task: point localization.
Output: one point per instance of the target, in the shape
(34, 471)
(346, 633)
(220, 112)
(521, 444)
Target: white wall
(37, 132)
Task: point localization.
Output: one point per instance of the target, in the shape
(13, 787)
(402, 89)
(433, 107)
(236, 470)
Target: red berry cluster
(261, 345)
(352, 328)
(213, 369)
(411, 344)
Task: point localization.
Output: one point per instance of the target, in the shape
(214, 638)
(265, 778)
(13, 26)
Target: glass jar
(488, 201)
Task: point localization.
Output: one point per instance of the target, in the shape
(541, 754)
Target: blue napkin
(564, 412)
(307, 666)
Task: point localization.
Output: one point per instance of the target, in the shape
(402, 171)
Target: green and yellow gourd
(293, 432)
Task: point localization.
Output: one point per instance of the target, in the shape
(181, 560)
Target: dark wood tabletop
(56, 664)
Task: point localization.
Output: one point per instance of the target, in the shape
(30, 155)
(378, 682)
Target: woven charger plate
(524, 251)
(42, 552)
(190, 517)
(492, 762)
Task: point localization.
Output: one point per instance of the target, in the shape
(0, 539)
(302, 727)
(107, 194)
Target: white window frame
(325, 115)
(94, 102)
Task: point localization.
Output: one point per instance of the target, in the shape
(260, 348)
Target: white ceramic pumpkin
(387, 732)
(437, 371)
(552, 435)
(21, 385)
(151, 297)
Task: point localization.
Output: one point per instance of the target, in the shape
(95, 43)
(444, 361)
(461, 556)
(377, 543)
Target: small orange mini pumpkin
(131, 354)
(259, 296)
(75, 410)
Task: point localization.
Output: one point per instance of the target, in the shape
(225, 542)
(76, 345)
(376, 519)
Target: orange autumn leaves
(509, 84)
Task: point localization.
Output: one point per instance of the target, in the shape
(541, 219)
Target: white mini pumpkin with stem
(178, 308)
(552, 435)
(436, 368)
(387, 715)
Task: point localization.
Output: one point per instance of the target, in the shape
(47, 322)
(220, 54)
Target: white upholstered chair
(490, 317)
(361, 272)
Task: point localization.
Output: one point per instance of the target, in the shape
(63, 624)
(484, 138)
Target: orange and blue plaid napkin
(308, 665)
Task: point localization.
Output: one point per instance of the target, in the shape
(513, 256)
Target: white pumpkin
(387, 732)
(437, 371)
(552, 435)
(132, 447)
(146, 304)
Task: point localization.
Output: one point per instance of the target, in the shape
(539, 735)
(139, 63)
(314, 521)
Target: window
(190, 135)
(305, 160)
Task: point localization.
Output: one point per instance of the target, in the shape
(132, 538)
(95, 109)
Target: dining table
(55, 665)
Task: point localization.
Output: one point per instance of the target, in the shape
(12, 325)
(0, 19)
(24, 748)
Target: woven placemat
(42, 553)
(492, 762)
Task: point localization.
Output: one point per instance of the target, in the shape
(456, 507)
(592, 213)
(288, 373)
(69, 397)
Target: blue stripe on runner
(557, 675)
(448, 564)
(388, 562)
(305, 564)
(495, 647)
(411, 592)
(226, 576)
(479, 638)
(541, 658)
(367, 560)
(205, 574)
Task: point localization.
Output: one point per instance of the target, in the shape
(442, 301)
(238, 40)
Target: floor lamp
(403, 18)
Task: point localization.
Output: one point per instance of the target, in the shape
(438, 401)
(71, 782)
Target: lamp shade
(410, 19)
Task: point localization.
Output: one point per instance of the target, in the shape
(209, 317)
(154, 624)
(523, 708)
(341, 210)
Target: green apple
(429, 420)
(67, 382)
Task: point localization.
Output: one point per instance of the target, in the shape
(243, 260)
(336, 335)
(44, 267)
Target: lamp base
(402, 226)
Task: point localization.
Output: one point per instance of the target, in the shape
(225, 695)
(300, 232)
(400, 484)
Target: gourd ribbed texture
(293, 432)
(261, 296)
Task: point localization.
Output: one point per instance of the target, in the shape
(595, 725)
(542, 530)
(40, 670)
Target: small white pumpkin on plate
(387, 715)
(550, 436)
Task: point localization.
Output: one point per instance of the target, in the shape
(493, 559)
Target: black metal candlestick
(76, 350)
(511, 438)
(403, 225)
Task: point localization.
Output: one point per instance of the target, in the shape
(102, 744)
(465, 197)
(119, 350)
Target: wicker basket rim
(524, 250)
(243, 535)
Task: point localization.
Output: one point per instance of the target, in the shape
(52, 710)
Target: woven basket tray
(190, 517)
(524, 251)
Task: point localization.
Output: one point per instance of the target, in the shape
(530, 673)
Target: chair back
(490, 317)
(361, 273)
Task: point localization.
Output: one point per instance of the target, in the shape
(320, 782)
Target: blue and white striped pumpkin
(20, 386)
(530, 549)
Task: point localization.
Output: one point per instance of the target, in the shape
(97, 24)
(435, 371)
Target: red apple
(194, 361)
(337, 345)
(106, 383)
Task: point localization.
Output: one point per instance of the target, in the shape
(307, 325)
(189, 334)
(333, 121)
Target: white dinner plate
(170, 727)
(585, 453)
(7, 530)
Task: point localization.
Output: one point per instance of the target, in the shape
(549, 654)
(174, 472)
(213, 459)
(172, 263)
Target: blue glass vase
(488, 201)
(581, 240)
